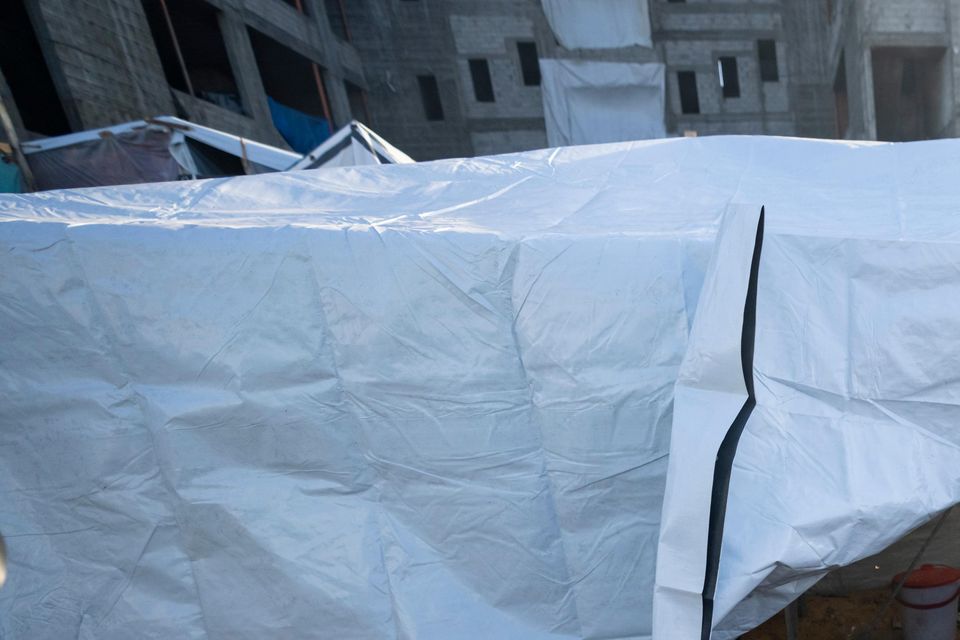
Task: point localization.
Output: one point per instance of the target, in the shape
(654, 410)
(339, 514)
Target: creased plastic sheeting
(599, 24)
(587, 102)
(238, 408)
(353, 145)
(131, 157)
(853, 441)
(434, 400)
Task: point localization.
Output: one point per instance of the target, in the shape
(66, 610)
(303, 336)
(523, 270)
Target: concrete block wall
(107, 70)
(692, 36)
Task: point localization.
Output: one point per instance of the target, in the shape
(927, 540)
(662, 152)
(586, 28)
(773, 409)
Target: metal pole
(176, 48)
(14, 139)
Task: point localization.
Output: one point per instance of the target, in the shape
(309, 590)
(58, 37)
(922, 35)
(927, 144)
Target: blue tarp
(303, 132)
(9, 177)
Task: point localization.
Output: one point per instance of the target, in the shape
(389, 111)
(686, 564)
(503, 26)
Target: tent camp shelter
(156, 149)
(353, 145)
(477, 398)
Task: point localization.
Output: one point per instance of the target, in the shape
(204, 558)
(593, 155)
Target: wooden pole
(323, 94)
(14, 139)
(176, 48)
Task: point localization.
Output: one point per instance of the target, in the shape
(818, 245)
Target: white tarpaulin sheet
(586, 102)
(599, 24)
(353, 145)
(435, 400)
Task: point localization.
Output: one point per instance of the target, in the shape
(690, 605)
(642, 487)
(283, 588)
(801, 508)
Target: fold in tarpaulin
(586, 102)
(377, 402)
(599, 24)
(302, 131)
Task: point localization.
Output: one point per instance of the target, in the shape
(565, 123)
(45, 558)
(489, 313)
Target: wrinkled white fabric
(434, 400)
(853, 441)
(599, 24)
(586, 102)
(354, 144)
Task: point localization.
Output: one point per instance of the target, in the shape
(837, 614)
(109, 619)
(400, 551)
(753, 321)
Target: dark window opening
(908, 93)
(689, 98)
(288, 77)
(296, 4)
(357, 98)
(529, 63)
(196, 31)
(729, 78)
(840, 98)
(676, 0)
(482, 82)
(337, 17)
(767, 54)
(430, 95)
(27, 74)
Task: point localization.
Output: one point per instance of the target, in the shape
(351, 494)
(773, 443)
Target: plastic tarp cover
(302, 131)
(362, 403)
(599, 24)
(587, 102)
(353, 145)
(380, 402)
(132, 157)
(853, 441)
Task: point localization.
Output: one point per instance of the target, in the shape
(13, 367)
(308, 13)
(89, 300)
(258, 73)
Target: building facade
(458, 78)
(893, 68)
(71, 65)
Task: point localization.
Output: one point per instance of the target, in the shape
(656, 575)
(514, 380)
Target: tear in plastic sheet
(587, 102)
(435, 400)
(599, 24)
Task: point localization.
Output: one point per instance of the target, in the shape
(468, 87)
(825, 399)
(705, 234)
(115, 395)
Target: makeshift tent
(435, 400)
(353, 145)
(586, 102)
(154, 150)
(599, 24)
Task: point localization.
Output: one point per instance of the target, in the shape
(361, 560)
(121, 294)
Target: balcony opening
(192, 51)
(28, 77)
(908, 93)
(296, 90)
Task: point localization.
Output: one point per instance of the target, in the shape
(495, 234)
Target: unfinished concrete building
(70, 65)
(442, 78)
(893, 68)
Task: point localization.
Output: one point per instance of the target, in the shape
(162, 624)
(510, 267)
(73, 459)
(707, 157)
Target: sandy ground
(833, 618)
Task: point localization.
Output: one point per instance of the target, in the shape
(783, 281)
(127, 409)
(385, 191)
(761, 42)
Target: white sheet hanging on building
(599, 24)
(587, 102)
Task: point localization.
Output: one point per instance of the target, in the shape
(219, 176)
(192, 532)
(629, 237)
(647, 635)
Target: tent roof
(361, 139)
(257, 152)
